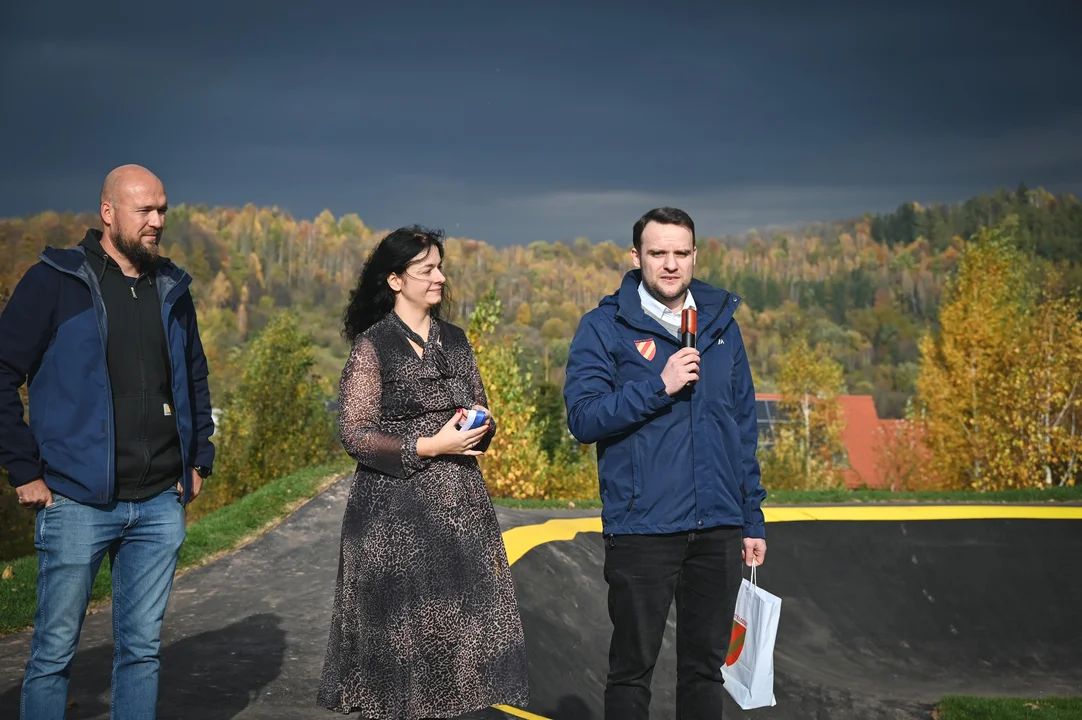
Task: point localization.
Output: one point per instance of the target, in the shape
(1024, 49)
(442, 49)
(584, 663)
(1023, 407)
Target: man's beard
(138, 254)
(659, 293)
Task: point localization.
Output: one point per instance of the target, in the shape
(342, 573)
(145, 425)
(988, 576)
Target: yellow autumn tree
(514, 465)
(964, 366)
(523, 315)
(807, 452)
(1000, 379)
(1044, 421)
(221, 292)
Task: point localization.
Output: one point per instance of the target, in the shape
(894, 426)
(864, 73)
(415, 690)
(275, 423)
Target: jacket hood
(100, 260)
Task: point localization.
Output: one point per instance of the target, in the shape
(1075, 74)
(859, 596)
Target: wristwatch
(203, 470)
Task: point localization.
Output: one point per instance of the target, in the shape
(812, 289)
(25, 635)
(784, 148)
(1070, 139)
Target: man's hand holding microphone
(682, 369)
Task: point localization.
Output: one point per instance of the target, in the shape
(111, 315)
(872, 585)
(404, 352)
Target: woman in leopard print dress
(425, 621)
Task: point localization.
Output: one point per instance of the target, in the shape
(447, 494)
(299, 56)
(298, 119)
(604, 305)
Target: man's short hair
(665, 216)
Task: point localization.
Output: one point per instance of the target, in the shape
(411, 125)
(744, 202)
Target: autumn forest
(867, 288)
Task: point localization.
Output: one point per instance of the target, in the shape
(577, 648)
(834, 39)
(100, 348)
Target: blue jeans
(143, 540)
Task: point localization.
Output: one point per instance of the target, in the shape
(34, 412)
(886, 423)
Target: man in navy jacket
(105, 336)
(676, 438)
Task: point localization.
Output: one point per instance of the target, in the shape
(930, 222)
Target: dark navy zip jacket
(666, 463)
(53, 336)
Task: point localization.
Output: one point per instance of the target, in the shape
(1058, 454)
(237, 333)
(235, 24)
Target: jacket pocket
(636, 469)
(162, 438)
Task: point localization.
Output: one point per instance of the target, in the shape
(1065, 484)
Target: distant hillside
(866, 287)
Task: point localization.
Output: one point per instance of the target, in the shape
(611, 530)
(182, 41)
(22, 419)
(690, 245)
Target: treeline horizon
(865, 288)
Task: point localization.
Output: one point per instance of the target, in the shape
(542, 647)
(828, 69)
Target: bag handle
(753, 576)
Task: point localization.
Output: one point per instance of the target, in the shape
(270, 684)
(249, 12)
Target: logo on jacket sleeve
(646, 348)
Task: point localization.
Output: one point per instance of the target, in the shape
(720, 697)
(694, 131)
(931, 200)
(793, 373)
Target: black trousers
(703, 570)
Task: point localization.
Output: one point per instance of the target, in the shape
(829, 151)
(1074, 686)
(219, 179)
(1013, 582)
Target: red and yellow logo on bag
(736, 640)
(646, 348)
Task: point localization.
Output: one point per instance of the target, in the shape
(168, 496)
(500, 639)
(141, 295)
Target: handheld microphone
(689, 325)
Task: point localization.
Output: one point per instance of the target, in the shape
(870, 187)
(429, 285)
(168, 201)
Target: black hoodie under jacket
(147, 439)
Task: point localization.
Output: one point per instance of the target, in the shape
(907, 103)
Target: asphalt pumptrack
(885, 609)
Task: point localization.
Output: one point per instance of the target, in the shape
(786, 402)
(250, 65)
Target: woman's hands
(452, 441)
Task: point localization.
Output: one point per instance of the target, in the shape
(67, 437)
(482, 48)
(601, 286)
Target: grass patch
(209, 538)
(973, 708)
(834, 497)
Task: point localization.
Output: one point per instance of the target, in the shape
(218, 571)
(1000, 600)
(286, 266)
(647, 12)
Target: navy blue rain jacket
(666, 463)
(53, 337)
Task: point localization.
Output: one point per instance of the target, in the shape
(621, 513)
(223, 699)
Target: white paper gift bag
(749, 665)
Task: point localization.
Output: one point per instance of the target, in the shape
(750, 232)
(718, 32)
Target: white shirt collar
(654, 306)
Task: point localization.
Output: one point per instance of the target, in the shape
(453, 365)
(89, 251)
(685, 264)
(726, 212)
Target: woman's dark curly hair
(373, 298)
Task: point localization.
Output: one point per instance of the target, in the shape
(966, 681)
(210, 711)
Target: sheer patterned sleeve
(360, 400)
(480, 397)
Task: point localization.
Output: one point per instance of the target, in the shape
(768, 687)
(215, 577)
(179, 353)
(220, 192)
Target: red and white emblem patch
(646, 348)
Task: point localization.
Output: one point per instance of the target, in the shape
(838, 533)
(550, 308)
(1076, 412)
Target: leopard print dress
(425, 622)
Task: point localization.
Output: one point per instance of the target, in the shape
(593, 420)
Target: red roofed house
(859, 436)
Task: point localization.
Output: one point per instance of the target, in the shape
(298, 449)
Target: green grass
(220, 532)
(973, 708)
(809, 497)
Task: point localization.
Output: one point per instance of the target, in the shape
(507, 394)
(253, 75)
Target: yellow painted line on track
(520, 540)
(519, 713)
(922, 512)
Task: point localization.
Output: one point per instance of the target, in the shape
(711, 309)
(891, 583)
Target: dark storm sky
(515, 121)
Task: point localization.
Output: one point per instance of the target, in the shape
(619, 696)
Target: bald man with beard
(118, 442)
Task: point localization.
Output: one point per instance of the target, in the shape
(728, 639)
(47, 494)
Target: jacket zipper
(729, 297)
(146, 401)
